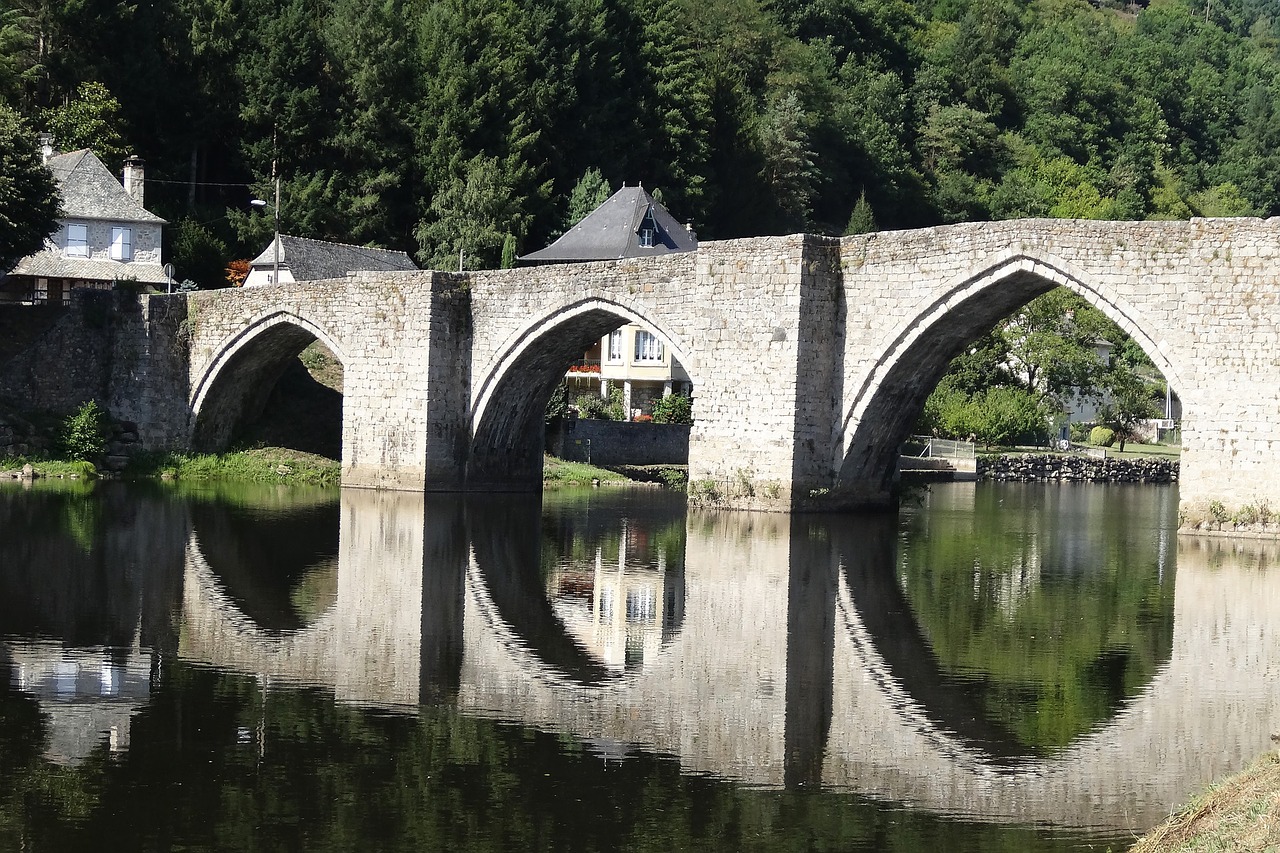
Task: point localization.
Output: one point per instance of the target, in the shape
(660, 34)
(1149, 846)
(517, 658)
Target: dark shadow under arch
(239, 391)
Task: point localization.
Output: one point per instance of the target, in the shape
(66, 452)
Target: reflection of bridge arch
(890, 395)
(770, 627)
(510, 399)
(218, 631)
(242, 370)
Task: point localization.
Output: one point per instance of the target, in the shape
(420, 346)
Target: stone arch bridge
(811, 357)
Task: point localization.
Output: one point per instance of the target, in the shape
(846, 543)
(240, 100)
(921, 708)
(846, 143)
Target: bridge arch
(892, 393)
(510, 399)
(244, 368)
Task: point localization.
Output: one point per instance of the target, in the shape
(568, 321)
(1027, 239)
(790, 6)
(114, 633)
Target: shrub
(1246, 515)
(1101, 436)
(673, 409)
(84, 434)
(674, 479)
(1218, 513)
(602, 408)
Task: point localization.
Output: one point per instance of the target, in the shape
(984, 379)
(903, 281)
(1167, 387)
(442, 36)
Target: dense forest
(438, 125)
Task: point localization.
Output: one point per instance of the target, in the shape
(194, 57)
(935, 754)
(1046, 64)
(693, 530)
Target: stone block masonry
(810, 357)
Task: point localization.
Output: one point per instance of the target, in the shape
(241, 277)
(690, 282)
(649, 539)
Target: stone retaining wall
(619, 443)
(1076, 469)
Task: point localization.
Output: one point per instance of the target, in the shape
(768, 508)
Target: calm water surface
(997, 668)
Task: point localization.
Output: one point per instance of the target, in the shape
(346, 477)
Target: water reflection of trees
(1051, 611)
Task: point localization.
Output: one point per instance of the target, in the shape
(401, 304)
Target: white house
(105, 236)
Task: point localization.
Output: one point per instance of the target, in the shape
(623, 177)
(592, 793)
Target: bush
(602, 408)
(1101, 436)
(84, 434)
(673, 409)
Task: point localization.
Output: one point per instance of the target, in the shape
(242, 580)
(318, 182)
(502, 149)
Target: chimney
(134, 176)
(45, 141)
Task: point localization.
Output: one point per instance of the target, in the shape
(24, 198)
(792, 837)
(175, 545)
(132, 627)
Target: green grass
(562, 472)
(258, 465)
(62, 468)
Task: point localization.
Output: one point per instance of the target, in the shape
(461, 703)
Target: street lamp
(257, 202)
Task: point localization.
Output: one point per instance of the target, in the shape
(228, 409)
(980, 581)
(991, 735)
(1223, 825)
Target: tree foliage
(28, 196)
(753, 116)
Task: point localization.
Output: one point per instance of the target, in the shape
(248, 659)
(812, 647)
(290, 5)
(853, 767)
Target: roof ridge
(346, 245)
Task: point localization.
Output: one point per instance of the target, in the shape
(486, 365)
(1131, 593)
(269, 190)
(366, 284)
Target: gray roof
(53, 265)
(89, 191)
(612, 231)
(314, 260)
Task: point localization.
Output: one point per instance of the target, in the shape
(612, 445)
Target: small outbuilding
(304, 259)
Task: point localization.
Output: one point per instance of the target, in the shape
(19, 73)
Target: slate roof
(612, 231)
(54, 265)
(89, 191)
(314, 260)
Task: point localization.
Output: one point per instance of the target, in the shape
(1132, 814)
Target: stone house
(304, 259)
(105, 236)
(629, 224)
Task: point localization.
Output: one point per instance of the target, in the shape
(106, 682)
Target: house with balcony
(105, 236)
(629, 224)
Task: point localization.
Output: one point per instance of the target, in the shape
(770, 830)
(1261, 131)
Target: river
(996, 667)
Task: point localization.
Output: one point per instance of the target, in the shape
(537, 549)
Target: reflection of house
(88, 696)
(629, 224)
(622, 611)
(637, 360)
(104, 236)
(303, 259)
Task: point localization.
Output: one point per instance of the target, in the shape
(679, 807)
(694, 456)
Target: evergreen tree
(589, 192)
(473, 217)
(789, 162)
(861, 220)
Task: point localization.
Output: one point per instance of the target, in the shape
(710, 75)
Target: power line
(199, 183)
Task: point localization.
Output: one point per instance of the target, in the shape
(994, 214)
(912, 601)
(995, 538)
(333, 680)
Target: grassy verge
(564, 473)
(281, 465)
(1241, 813)
(47, 467)
(259, 465)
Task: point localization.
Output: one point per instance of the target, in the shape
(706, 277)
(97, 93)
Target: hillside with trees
(434, 126)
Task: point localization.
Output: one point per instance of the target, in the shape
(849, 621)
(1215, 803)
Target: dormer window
(648, 232)
(77, 241)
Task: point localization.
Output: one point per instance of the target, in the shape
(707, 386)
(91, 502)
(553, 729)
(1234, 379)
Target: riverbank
(1241, 813)
(279, 465)
(257, 465)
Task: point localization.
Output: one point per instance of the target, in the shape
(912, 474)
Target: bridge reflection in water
(770, 650)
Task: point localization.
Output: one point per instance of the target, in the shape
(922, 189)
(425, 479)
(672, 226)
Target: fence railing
(927, 447)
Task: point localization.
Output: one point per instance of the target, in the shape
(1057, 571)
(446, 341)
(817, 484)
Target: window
(77, 241)
(615, 345)
(648, 347)
(646, 238)
(121, 244)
